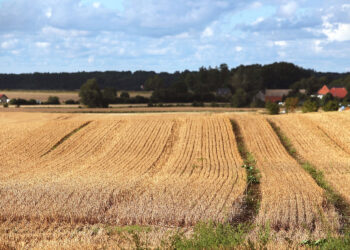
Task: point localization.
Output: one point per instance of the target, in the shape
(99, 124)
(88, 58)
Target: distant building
(3, 98)
(223, 92)
(323, 91)
(337, 92)
(275, 95)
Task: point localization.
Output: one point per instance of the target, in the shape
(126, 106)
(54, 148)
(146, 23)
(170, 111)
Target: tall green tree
(154, 82)
(190, 80)
(90, 94)
(109, 95)
(239, 98)
(224, 74)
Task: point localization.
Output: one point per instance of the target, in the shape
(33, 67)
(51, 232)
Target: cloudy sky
(169, 35)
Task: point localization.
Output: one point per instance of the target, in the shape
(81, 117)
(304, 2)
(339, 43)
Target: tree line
(241, 84)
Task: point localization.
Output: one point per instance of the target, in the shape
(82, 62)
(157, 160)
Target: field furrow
(314, 146)
(292, 203)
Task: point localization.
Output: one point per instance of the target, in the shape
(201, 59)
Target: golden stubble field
(65, 179)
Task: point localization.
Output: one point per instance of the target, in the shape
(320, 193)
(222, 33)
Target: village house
(3, 98)
(337, 92)
(275, 95)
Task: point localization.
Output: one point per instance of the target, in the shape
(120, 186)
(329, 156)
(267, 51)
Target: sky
(168, 35)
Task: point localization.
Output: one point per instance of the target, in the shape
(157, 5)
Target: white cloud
(96, 5)
(258, 20)
(9, 44)
(282, 54)
(56, 32)
(288, 9)
(238, 48)
(91, 59)
(345, 6)
(281, 43)
(256, 5)
(183, 35)
(15, 52)
(48, 13)
(337, 32)
(317, 46)
(208, 32)
(189, 33)
(162, 51)
(42, 45)
(121, 51)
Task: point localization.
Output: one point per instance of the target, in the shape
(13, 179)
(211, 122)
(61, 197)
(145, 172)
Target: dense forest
(242, 82)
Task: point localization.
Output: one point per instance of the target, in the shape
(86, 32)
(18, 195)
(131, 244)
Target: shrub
(124, 95)
(310, 106)
(325, 99)
(5, 105)
(53, 100)
(331, 106)
(21, 101)
(273, 108)
(291, 104)
(71, 101)
(197, 104)
(138, 99)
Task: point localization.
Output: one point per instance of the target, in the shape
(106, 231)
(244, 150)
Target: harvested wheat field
(336, 126)
(165, 170)
(318, 148)
(292, 203)
(92, 181)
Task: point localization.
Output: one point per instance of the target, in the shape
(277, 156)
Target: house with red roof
(339, 92)
(323, 91)
(335, 92)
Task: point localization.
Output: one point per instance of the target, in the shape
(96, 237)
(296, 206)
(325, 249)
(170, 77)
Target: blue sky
(168, 35)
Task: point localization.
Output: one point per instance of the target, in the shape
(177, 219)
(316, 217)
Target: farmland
(42, 95)
(88, 180)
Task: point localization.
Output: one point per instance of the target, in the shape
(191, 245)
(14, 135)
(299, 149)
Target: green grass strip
(253, 194)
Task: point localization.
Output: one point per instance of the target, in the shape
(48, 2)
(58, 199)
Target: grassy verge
(252, 196)
(333, 197)
(66, 137)
(220, 236)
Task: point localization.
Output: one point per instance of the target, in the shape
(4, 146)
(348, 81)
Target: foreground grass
(205, 235)
(220, 236)
(209, 235)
